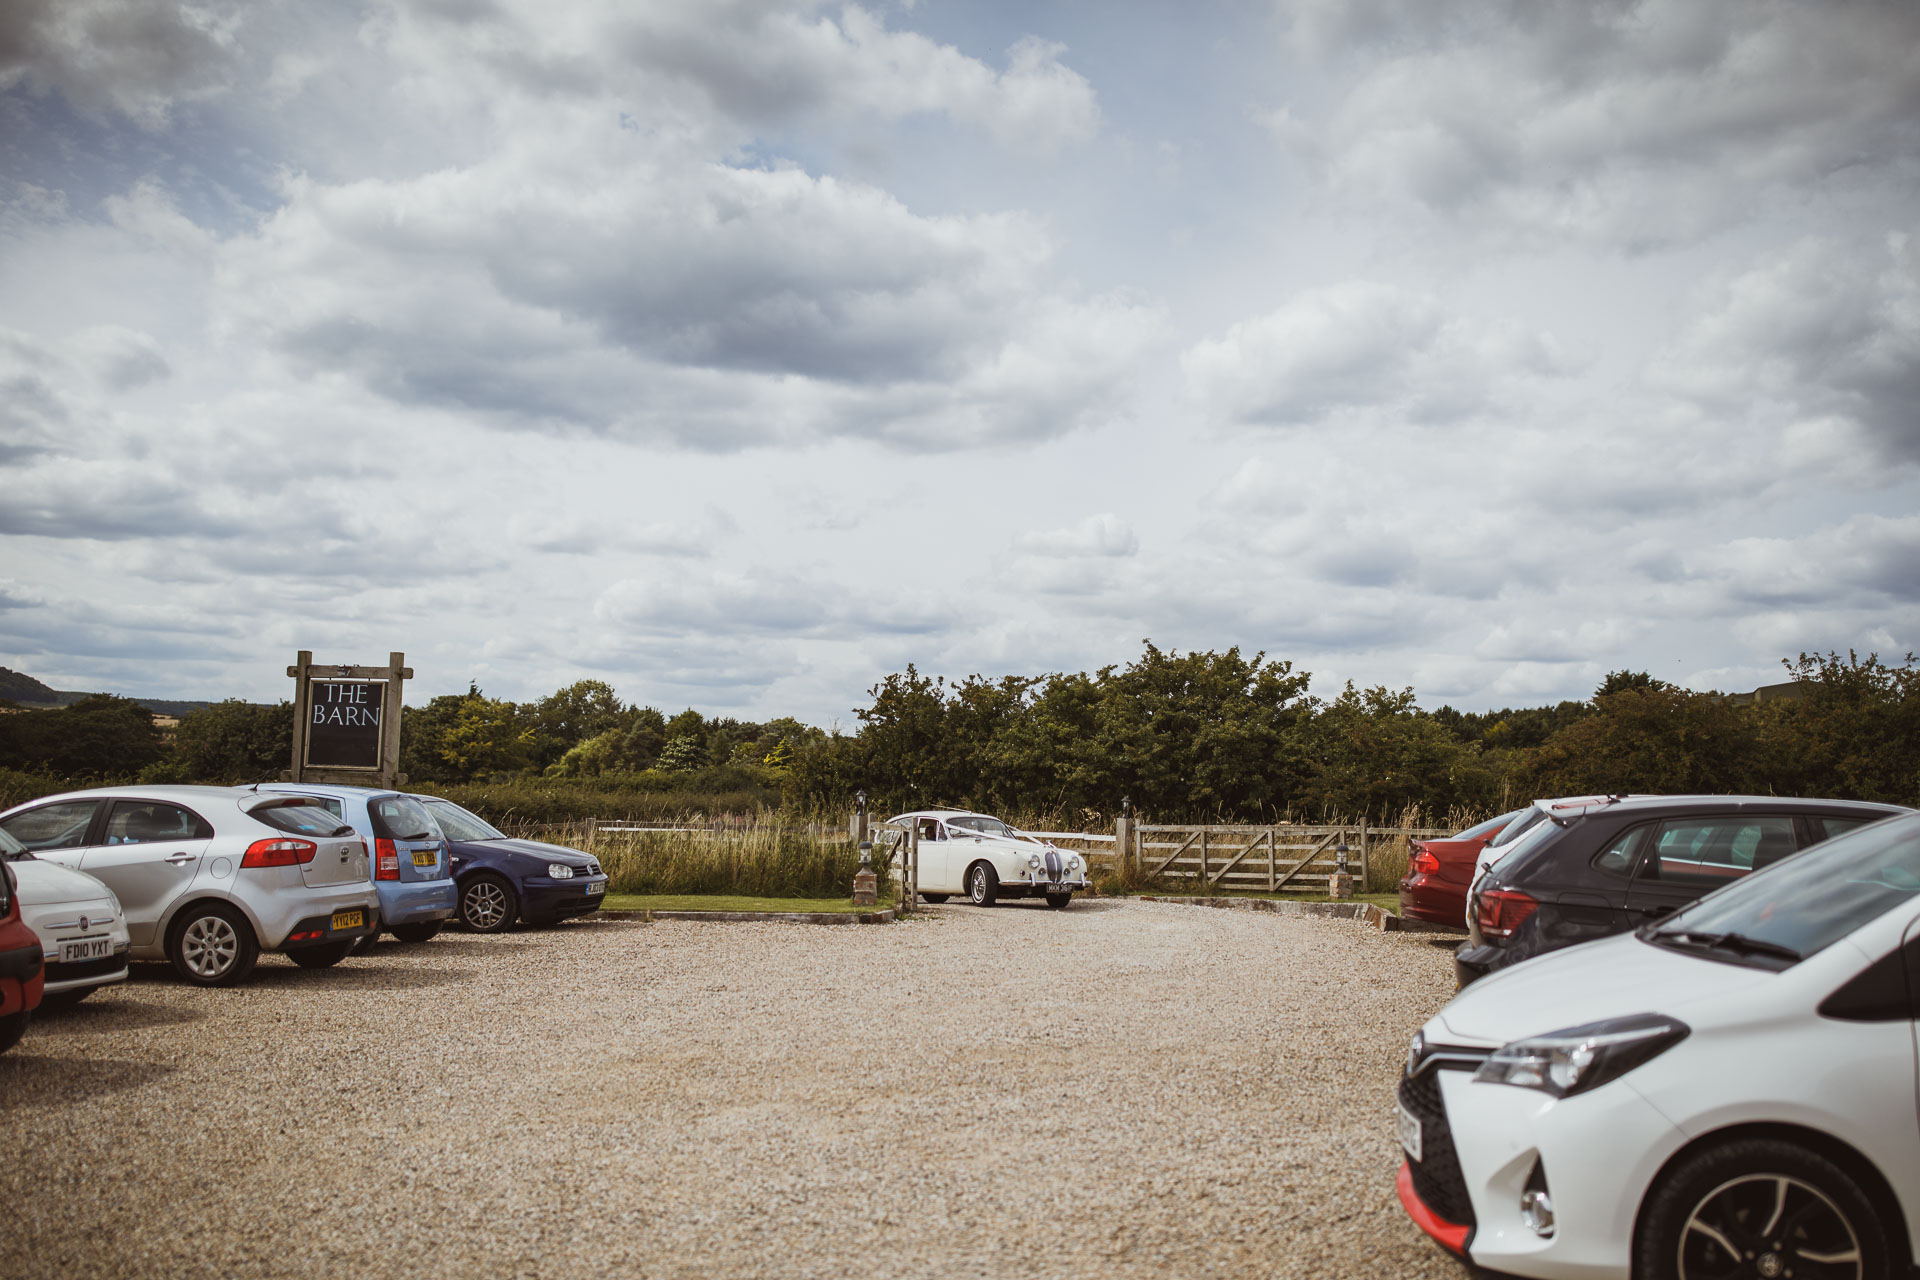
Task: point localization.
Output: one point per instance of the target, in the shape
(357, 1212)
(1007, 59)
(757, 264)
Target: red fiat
(22, 966)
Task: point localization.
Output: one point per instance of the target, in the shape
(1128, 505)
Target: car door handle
(181, 859)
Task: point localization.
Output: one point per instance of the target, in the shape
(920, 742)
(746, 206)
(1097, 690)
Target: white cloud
(1098, 535)
(1360, 346)
(138, 58)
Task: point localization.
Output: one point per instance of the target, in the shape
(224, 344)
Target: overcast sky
(739, 353)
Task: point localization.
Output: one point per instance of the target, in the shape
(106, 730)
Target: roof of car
(1582, 806)
(327, 789)
(941, 813)
(173, 791)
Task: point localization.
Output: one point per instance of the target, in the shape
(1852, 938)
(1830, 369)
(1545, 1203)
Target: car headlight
(1033, 860)
(1073, 863)
(1585, 1057)
(560, 871)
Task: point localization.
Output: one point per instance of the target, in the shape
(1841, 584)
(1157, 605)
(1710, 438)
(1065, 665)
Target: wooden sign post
(346, 722)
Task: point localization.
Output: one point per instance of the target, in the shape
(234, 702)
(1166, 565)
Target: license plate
(425, 858)
(85, 949)
(593, 889)
(1409, 1125)
(349, 919)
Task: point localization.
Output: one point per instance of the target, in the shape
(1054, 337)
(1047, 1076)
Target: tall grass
(759, 858)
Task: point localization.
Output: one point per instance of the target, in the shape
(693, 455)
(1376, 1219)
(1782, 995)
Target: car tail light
(386, 860)
(279, 853)
(1504, 910)
(1425, 863)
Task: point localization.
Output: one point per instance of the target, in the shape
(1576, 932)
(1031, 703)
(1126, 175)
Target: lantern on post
(1340, 883)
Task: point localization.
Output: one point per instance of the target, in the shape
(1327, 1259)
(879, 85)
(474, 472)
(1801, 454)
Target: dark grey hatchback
(1606, 865)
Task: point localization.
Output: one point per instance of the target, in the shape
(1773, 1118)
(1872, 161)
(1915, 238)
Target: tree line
(1197, 735)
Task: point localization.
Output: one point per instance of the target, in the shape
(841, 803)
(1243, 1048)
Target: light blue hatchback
(412, 873)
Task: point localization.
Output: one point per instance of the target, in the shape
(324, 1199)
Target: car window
(1827, 828)
(1487, 828)
(11, 848)
(301, 817)
(402, 818)
(149, 821)
(458, 824)
(1817, 898)
(53, 826)
(1529, 819)
(1618, 857)
(1507, 860)
(1710, 851)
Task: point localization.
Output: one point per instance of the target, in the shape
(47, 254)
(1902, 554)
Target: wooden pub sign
(346, 722)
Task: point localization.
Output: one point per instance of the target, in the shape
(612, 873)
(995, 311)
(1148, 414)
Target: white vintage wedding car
(984, 858)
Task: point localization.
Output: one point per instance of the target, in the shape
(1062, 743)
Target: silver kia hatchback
(209, 877)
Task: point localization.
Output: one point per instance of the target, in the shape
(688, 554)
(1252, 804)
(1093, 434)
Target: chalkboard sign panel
(343, 723)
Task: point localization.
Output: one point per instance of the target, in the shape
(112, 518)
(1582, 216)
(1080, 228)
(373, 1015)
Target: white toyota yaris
(1729, 1092)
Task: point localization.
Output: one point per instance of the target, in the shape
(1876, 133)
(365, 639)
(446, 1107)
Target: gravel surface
(1120, 1089)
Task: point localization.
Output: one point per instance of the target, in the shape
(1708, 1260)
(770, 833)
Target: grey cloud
(1104, 534)
(1634, 122)
(137, 58)
(1827, 328)
(122, 358)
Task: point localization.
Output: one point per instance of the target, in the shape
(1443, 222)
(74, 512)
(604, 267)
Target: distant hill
(28, 692)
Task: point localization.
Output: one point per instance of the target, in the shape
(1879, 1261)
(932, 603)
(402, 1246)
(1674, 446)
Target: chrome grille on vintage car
(1053, 863)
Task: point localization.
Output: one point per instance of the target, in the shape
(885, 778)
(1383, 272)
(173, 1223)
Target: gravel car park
(1186, 1093)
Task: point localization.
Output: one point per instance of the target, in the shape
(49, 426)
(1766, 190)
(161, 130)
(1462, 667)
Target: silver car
(209, 877)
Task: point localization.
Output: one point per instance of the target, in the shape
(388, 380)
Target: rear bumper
(1445, 905)
(1471, 963)
(416, 903)
(318, 931)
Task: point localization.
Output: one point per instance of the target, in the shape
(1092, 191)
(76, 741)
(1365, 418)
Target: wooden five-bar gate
(1281, 856)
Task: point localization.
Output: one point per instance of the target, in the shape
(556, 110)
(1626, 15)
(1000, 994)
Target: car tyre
(983, 887)
(1763, 1197)
(1059, 901)
(488, 904)
(324, 956)
(416, 932)
(935, 898)
(212, 946)
(12, 1027)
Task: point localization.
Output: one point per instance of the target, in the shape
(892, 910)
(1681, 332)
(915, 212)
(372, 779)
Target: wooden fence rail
(1270, 858)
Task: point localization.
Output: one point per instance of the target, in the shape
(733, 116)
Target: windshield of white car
(1803, 904)
(984, 826)
(461, 825)
(1529, 818)
(1508, 858)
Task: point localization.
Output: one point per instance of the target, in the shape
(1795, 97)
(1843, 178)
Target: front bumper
(1040, 888)
(1599, 1152)
(79, 975)
(548, 899)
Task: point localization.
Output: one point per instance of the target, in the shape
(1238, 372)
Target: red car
(22, 966)
(1439, 871)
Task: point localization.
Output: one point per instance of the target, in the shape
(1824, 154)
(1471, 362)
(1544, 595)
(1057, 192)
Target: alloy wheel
(486, 905)
(1767, 1226)
(210, 946)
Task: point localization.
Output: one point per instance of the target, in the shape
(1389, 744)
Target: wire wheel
(1769, 1225)
(209, 947)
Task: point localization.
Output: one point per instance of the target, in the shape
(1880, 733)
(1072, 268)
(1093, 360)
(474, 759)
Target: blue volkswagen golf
(502, 879)
(412, 873)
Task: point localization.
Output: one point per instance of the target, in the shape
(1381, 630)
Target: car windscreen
(1806, 903)
(1529, 818)
(1488, 827)
(301, 817)
(401, 818)
(461, 825)
(985, 826)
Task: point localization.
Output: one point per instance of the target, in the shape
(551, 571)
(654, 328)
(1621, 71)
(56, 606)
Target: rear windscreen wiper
(1737, 942)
